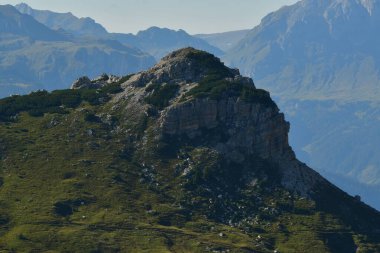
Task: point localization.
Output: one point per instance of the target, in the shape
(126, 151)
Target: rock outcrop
(254, 128)
(250, 127)
(85, 83)
(183, 66)
(250, 130)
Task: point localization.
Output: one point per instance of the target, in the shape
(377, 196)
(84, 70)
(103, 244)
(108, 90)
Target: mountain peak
(14, 22)
(23, 8)
(66, 21)
(155, 29)
(199, 61)
(215, 166)
(306, 32)
(190, 53)
(185, 65)
(344, 6)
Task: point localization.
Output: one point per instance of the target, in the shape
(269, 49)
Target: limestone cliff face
(254, 128)
(249, 127)
(251, 130)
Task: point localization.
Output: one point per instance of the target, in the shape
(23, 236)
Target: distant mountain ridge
(66, 21)
(42, 49)
(155, 41)
(16, 23)
(33, 56)
(160, 41)
(225, 40)
(315, 49)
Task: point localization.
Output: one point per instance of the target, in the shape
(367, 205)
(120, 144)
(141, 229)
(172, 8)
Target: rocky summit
(188, 156)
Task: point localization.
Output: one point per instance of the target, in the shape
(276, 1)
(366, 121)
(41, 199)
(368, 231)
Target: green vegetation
(161, 94)
(74, 183)
(215, 88)
(209, 62)
(40, 102)
(73, 192)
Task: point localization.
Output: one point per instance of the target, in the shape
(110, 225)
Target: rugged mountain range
(160, 41)
(319, 59)
(35, 57)
(47, 50)
(315, 50)
(156, 41)
(186, 156)
(14, 23)
(65, 21)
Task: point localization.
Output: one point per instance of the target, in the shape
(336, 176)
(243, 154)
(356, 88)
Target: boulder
(85, 83)
(82, 83)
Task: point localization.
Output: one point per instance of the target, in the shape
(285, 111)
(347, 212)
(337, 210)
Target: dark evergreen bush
(40, 102)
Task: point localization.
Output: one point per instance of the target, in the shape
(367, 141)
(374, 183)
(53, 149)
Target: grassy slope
(47, 165)
(128, 199)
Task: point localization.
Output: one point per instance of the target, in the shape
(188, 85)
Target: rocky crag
(186, 156)
(251, 128)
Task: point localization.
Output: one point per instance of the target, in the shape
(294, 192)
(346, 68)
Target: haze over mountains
(161, 41)
(155, 41)
(34, 56)
(315, 50)
(225, 41)
(12, 22)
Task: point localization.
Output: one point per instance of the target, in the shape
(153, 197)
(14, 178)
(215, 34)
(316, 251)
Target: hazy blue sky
(194, 16)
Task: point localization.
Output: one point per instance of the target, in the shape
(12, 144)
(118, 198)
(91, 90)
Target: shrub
(90, 117)
(124, 79)
(215, 88)
(113, 88)
(161, 94)
(63, 208)
(36, 112)
(40, 102)
(91, 96)
(213, 65)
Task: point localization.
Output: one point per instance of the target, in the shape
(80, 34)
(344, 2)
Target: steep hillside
(188, 156)
(340, 140)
